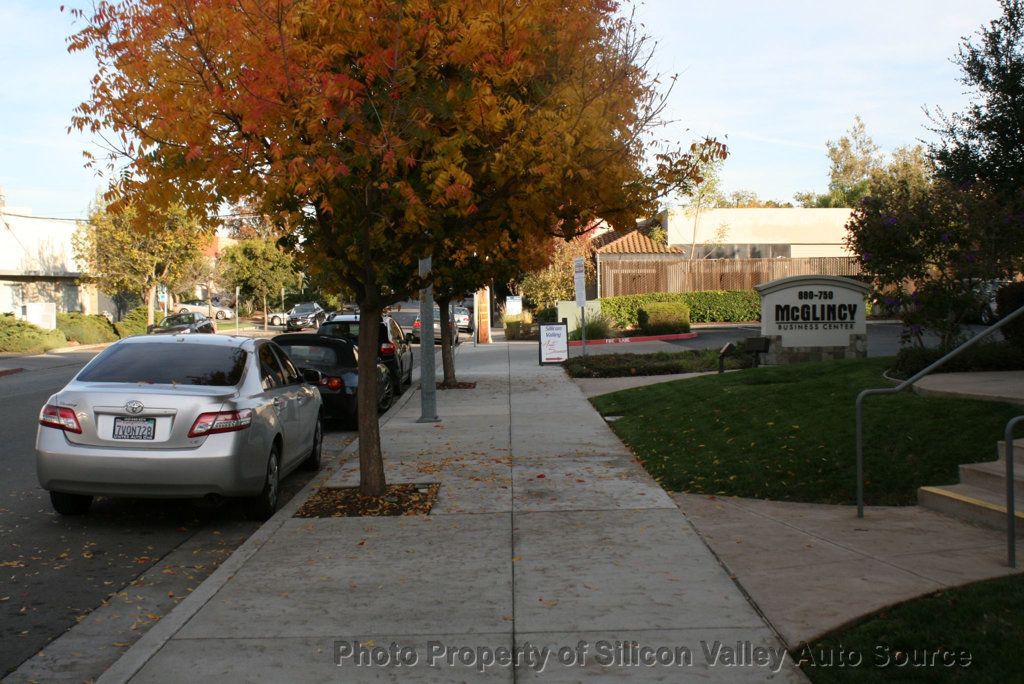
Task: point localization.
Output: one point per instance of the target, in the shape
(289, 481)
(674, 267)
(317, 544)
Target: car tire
(315, 458)
(412, 362)
(264, 504)
(986, 316)
(387, 395)
(275, 321)
(70, 504)
(219, 315)
(182, 310)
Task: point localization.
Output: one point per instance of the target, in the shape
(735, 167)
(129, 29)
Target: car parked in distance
(417, 324)
(203, 306)
(305, 315)
(337, 359)
(393, 348)
(182, 324)
(180, 417)
(463, 319)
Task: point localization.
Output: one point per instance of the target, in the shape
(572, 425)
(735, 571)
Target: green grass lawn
(786, 433)
(658, 363)
(983, 620)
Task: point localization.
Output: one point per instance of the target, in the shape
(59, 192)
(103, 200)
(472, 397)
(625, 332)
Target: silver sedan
(182, 416)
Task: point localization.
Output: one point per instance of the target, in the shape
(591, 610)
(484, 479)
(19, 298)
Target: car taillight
(387, 349)
(59, 417)
(224, 421)
(416, 323)
(332, 382)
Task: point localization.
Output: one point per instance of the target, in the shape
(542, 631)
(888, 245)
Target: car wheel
(219, 315)
(70, 504)
(182, 310)
(408, 377)
(396, 381)
(275, 321)
(986, 316)
(315, 457)
(387, 395)
(264, 504)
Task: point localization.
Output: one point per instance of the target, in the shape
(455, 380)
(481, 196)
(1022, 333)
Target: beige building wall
(809, 232)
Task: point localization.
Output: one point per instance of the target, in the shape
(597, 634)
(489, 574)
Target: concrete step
(991, 475)
(973, 504)
(1018, 451)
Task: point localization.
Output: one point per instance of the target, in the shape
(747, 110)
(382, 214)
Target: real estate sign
(554, 343)
(813, 311)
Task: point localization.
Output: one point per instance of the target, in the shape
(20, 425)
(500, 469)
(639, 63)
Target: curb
(79, 348)
(627, 340)
(136, 657)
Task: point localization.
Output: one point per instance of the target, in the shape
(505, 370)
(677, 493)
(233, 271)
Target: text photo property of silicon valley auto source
(554, 343)
(814, 318)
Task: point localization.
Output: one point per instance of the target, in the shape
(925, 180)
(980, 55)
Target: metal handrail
(1011, 515)
(907, 383)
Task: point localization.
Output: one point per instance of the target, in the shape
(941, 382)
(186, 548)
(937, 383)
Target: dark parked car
(305, 315)
(393, 350)
(337, 359)
(182, 323)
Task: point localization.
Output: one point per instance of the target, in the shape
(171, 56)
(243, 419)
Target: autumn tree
(127, 250)
(545, 287)
(379, 130)
(258, 268)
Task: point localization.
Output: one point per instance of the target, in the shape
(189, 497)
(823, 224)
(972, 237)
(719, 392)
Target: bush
(711, 306)
(23, 337)
(984, 356)
(664, 318)
(548, 314)
(658, 363)
(520, 327)
(86, 329)
(1009, 298)
(598, 328)
(134, 322)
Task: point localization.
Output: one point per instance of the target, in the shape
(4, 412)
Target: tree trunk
(371, 460)
(151, 304)
(447, 355)
(265, 314)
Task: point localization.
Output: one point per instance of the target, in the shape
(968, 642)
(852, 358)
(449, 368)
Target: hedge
(134, 322)
(20, 336)
(712, 306)
(664, 318)
(986, 356)
(1009, 298)
(86, 329)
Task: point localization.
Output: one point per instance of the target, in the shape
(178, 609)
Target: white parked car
(203, 306)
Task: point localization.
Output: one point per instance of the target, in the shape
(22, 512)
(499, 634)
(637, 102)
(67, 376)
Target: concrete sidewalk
(549, 544)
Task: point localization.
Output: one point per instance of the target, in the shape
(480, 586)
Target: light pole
(428, 382)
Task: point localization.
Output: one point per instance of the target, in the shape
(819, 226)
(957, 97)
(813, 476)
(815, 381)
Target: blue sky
(774, 79)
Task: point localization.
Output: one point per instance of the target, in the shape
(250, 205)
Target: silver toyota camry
(182, 416)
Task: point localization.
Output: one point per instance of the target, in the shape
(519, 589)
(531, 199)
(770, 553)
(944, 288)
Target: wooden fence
(671, 273)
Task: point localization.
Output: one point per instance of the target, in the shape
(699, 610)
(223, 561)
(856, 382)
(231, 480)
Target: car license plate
(134, 428)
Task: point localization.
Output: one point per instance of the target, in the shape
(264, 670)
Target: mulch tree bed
(343, 502)
(457, 385)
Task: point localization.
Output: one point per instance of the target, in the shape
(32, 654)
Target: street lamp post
(428, 383)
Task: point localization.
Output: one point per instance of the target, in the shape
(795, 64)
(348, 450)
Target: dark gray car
(182, 324)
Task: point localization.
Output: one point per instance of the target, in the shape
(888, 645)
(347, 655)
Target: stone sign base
(778, 355)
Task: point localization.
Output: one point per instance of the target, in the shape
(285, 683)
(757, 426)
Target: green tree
(259, 268)
(126, 250)
(985, 143)
(547, 286)
(852, 158)
(705, 195)
(748, 199)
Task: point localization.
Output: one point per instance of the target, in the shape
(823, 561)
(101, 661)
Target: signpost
(813, 318)
(238, 316)
(580, 281)
(428, 380)
(554, 343)
(513, 305)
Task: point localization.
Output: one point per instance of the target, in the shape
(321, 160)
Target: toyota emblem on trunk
(134, 406)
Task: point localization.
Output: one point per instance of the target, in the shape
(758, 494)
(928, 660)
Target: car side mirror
(311, 376)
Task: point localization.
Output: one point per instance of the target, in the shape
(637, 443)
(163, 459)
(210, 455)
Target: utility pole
(428, 382)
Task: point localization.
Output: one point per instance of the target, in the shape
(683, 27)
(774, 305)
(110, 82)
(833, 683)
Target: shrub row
(714, 306)
(991, 356)
(664, 318)
(23, 337)
(598, 328)
(658, 363)
(86, 329)
(134, 322)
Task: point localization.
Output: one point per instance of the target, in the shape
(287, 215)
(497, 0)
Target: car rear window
(314, 355)
(348, 330)
(166, 364)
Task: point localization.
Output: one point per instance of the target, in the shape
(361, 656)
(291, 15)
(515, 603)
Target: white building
(37, 264)
(758, 233)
